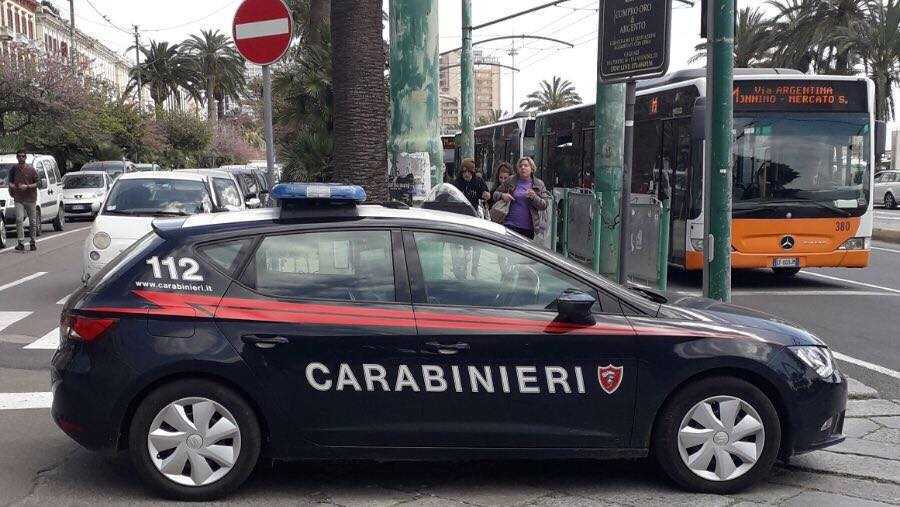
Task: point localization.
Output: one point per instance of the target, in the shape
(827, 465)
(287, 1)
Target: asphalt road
(855, 311)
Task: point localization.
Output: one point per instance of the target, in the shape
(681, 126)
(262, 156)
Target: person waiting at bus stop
(527, 198)
(474, 188)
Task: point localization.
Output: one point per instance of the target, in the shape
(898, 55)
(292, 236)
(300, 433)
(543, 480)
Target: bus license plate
(790, 262)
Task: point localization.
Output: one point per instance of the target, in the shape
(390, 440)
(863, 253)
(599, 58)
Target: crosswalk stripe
(49, 341)
(20, 281)
(9, 318)
(22, 401)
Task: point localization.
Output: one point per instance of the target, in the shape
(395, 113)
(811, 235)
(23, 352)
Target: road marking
(885, 249)
(64, 299)
(811, 293)
(884, 217)
(23, 401)
(9, 318)
(861, 284)
(48, 238)
(20, 281)
(49, 341)
(867, 365)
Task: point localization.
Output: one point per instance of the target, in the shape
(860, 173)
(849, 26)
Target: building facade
(17, 23)
(487, 89)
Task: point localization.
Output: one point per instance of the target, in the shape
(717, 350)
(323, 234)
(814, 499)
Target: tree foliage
(219, 69)
(554, 94)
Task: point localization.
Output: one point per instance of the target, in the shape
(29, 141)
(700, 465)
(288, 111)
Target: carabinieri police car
(329, 329)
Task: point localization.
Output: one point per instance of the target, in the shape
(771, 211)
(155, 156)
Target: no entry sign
(263, 30)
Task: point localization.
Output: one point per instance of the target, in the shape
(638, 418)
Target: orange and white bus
(803, 164)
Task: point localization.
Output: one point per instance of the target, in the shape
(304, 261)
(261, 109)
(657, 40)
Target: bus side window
(565, 159)
(646, 155)
(682, 175)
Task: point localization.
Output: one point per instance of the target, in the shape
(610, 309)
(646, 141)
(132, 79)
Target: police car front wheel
(718, 435)
(194, 440)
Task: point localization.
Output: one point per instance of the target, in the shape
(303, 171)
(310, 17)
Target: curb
(887, 235)
(859, 391)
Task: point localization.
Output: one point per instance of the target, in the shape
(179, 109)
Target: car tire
(155, 414)
(679, 438)
(59, 223)
(3, 237)
(889, 201)
(785, 273)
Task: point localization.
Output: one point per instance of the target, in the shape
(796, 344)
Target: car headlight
(697, 244)
(817, 358)
(102, 241)
(855, 244)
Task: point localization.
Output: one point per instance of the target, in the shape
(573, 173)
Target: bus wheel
(785, 273)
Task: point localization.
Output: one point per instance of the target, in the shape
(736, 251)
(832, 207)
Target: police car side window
(337, 266)
(223, 255)
(459, 271)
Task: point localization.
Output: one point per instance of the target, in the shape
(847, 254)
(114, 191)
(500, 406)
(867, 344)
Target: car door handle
(447, 349)
(264, 341)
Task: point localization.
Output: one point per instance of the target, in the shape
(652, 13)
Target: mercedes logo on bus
(787, 242)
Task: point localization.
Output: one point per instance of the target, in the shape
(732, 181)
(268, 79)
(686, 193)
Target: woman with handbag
(499, 208)
(527, 198)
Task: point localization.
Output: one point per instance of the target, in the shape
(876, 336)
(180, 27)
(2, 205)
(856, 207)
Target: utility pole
(719, 124)
(72, 34)
(415, 130)
(609, 162)
(513, 52)
(137, 56)
(467, 83)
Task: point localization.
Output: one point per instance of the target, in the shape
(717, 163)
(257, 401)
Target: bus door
(587, 158)
(680, 184)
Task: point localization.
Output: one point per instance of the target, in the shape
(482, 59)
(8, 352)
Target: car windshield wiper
(820, 204)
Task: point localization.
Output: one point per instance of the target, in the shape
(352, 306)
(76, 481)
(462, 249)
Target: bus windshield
(802, 160)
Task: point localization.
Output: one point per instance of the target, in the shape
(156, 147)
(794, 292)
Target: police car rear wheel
(719, 435)
(194, 440)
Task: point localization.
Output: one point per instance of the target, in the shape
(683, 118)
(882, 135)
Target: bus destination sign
(634, 39)
(801, 96)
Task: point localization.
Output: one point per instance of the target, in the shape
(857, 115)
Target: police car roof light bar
(337, 194)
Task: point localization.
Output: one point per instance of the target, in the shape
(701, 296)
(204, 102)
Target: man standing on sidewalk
(23, 184)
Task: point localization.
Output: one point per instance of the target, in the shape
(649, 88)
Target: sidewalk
(886, 227)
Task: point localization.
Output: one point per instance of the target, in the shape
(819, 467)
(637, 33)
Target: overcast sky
(575, 21)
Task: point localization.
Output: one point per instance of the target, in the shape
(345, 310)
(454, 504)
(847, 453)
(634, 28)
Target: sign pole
(467, 84)
(267, 119)
(628, 165)
(719, 125)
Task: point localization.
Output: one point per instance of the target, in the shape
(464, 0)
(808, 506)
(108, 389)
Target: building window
(31, 29)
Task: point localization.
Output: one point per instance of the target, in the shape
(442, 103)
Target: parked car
(134, 201)
(49, 203)
(887, 188)
(114, 168)
(225, 187)
(84, 193)
(254, 187)
(146, 167)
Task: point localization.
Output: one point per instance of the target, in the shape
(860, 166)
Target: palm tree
(553, 95)
(219, 67)
(806, 31)
(752, 40)
(793, 35)
(360, 96)
(877, 41)
(166, 70)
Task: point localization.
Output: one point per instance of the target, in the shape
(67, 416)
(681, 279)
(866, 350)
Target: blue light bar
(308, 192)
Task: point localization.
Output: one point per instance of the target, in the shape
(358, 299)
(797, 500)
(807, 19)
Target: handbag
(499, 211)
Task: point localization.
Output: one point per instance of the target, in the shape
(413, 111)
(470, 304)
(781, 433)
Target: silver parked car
(887, 188)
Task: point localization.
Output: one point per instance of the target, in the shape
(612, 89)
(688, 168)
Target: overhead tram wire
(204, 18)
(106, 18)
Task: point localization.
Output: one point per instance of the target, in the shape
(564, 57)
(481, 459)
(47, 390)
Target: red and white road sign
(263, 30)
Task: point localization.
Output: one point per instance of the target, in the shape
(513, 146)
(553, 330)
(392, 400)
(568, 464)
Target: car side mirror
(254, 202)
(574, 306)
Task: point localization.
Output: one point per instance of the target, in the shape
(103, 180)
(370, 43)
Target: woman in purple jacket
(527, 197)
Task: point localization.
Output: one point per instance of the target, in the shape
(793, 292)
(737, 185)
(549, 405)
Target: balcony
(6, 34)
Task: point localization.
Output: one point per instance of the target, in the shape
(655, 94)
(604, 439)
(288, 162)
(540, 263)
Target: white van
(49, 202)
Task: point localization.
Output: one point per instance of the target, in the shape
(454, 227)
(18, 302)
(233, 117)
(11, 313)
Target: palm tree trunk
(211, 109)
(319, 17)
(360, 118)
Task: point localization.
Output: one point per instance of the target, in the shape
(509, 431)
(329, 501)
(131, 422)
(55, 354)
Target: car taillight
(86, 329)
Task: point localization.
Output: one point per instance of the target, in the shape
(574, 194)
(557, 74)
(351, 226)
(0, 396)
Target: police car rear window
(341, 266)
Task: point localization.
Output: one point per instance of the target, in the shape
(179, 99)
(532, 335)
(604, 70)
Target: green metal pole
(595, 230)
(565, 240)
(415, 78)
(467, 83)
(719, 124)
(609, 152)
(662, 270)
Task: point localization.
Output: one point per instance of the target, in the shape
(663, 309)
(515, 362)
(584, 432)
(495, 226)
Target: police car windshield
(73, 181)
(158, 197)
